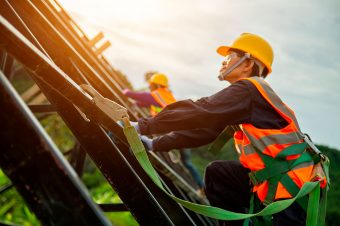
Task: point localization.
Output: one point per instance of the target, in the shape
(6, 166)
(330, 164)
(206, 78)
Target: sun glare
(127, 10)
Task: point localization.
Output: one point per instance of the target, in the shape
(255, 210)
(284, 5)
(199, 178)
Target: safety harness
(316, 208)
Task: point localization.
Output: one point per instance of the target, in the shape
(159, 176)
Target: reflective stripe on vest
(271, 142)
(163, 97)
(265, 141)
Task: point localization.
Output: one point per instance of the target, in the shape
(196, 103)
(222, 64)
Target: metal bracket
(307, 139)
(115, 111)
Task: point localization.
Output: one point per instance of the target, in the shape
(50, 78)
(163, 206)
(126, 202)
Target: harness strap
(292, 150)
(222, 139)
(272, 187)
(293, 190)
(313, 207)
(323, 200)
(251, 209)
(274, 167)
(279, 167)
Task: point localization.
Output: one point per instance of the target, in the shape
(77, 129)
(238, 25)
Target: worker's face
(231, 59)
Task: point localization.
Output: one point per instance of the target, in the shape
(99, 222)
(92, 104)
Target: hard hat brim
(223, 50)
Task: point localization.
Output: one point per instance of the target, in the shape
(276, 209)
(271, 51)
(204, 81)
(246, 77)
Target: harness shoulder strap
(222, 139)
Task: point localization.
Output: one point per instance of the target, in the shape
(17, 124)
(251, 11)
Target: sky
(180, 37)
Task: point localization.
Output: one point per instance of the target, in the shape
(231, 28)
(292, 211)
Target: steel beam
(37, 169)
(42, 108)
(114, 207)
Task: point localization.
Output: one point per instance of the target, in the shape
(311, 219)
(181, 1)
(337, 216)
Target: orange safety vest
(270, 142)
(164, 97)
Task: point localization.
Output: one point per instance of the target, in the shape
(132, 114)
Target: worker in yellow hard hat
(158, 98)
(158, 85)
(266, 127)
(159, 79)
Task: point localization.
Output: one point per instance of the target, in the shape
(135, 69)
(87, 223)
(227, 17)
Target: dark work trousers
(186, 160)
(227, 186)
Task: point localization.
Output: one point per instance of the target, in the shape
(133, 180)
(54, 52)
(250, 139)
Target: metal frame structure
(59, 57)
(24, 166)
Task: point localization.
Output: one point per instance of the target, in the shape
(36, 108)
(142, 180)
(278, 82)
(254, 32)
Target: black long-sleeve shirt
(185, 139)
(202, 120)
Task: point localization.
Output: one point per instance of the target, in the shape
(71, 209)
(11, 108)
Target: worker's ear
(248, 65)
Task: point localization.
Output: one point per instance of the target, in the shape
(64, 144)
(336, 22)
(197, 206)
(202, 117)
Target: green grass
(59, 132)
(102, 193)
(13, 208)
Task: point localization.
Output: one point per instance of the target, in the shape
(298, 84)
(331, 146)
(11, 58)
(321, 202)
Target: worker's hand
(135, 124)
(125, 91)
(147, 142)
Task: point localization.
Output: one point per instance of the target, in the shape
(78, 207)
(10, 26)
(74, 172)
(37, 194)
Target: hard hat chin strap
(260, 66)
(226, 73)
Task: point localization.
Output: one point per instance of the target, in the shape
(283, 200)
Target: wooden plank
(103, 47)
(96, 39)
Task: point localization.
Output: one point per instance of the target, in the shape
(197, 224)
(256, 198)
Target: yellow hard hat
(160, 79)
(253, 44)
